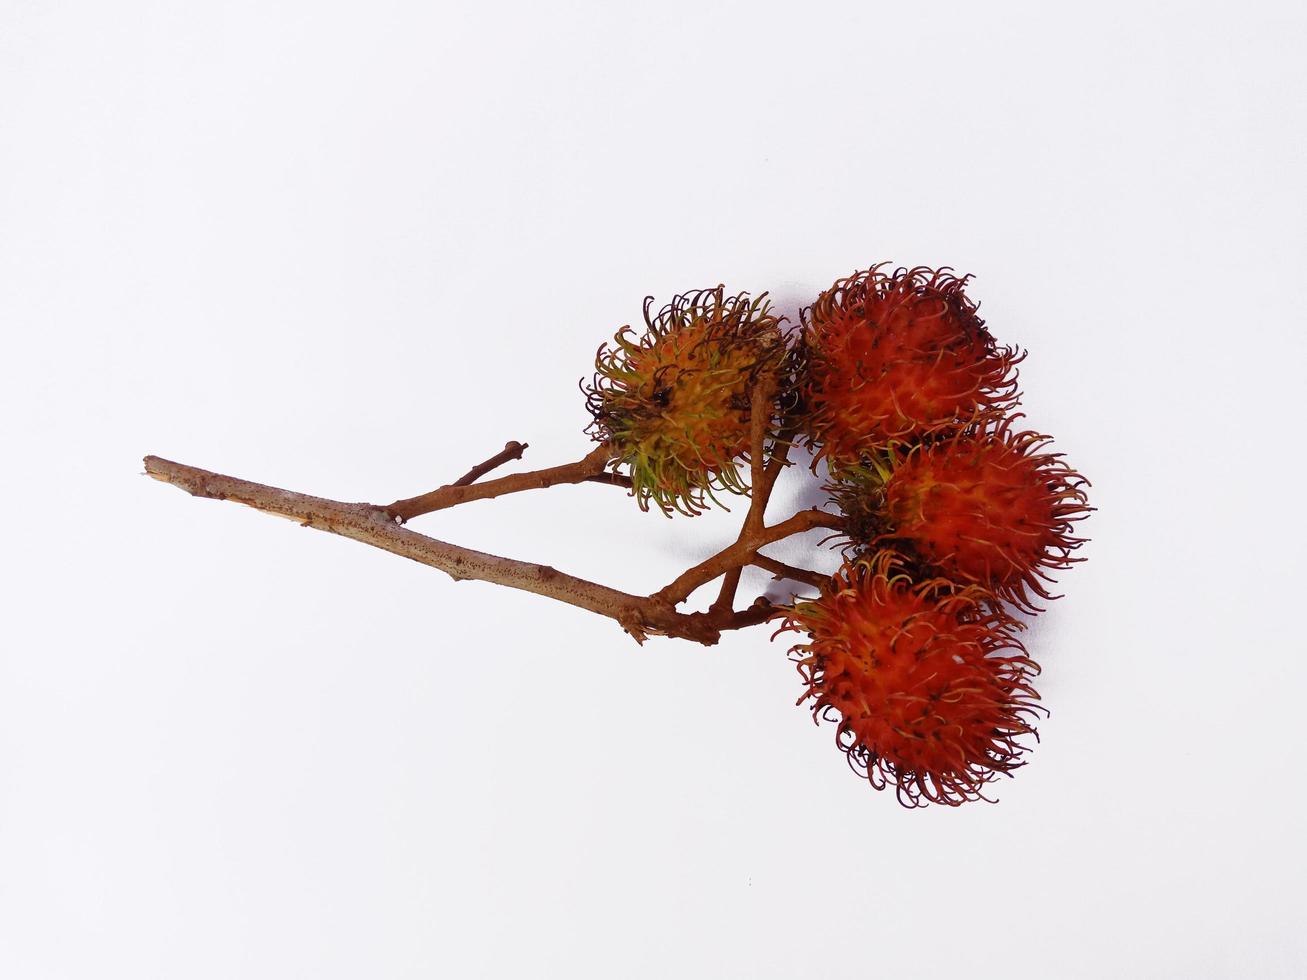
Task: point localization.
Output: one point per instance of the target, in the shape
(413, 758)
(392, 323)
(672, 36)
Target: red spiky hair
(927, 683)
(987, 507)
(898, 355)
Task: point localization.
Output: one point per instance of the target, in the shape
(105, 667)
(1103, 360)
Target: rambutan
(894, 356)
(987, 507)
(927, 684)
(675, 402)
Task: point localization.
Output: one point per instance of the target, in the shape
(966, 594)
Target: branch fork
(384, 527)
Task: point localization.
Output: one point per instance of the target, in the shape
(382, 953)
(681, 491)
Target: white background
(353, 249)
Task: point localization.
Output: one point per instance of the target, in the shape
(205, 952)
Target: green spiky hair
(858, 490)
(675, 401)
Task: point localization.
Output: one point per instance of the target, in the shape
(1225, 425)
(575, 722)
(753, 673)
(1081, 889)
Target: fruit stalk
(381, 527)
(586, 468)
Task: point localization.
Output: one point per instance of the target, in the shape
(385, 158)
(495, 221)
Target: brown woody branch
(381, 527)
(765, 468)
(612, 479)
(730, 583)
(743, 552)
(760, 416)
(582, 470)
(512, 450)
(782, 570)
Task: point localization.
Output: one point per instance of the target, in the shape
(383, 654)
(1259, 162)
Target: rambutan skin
(987, 507)
(675, 402)
(894, 356)
(927, 684)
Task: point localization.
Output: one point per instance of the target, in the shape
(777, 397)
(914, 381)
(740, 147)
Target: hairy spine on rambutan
(926, 682)
(894, 356)
(675, 401)
(988, 506)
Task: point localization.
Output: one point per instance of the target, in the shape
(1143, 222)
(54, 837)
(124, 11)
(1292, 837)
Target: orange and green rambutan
(675, 401)
(988, 506)
(926, 682)
(894, 356)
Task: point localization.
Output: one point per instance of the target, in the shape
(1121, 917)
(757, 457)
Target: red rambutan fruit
(894, 356)
(926, 682)
(676, 401)
(987, 507)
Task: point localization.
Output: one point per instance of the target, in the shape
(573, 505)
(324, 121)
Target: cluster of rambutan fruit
(953, 516)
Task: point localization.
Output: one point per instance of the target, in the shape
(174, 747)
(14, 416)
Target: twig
(640, 616)
(781, 570)
(743, 551)
(448, 496)
(511, 450)
(764, 471)
(730, 583)
(760, 415)
(759, 421)
(780, 455)
(613, 479)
